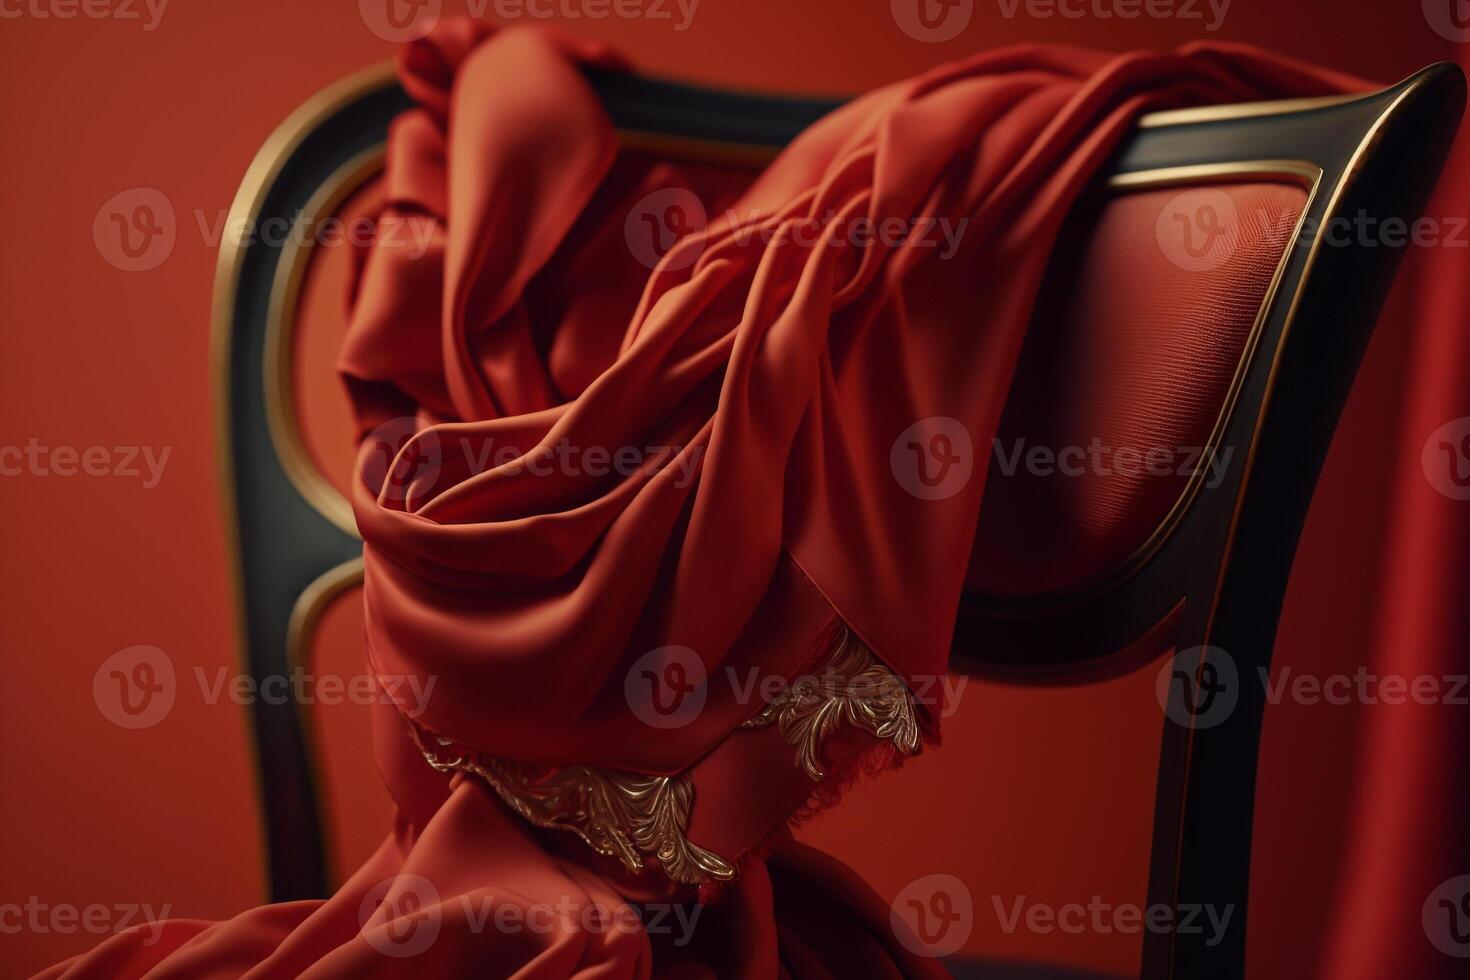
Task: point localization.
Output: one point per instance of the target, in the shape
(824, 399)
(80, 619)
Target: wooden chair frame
(1213, 573)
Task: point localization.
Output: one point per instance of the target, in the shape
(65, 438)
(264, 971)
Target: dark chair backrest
(1194, 561)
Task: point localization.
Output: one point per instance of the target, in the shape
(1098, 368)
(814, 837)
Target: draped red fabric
(1408, 876)
(778, 358)
(766, 383)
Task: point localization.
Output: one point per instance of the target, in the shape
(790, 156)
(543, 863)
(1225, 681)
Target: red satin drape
(781, 359)
(1411, 825)
(792, 367)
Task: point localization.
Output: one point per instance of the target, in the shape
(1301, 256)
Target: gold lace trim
(619, 814)
(854, 687)
(632, 817)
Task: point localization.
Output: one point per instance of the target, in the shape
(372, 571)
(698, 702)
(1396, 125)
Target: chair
(1242, 347)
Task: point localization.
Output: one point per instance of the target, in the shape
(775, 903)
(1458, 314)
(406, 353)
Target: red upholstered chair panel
(1136, 340)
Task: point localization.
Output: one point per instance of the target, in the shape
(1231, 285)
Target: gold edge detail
(633, 817)
(1309, 176)
(1412, 87)
(280, 327)
(264, 168)
(1246, 110)
(301, 628)
(618, 814)
(854, 687)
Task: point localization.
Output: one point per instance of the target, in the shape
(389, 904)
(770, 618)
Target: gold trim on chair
(1240, 110)
(264, 170)
(305, 616)
(1302, 172)
(280, 329)
(1416, 82)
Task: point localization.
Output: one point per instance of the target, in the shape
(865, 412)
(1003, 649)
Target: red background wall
(1029, 785)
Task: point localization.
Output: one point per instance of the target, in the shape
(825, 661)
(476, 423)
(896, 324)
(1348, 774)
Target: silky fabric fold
(777, 355)
(769, 380)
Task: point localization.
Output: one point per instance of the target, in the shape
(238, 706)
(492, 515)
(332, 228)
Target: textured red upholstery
(1134, 346)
